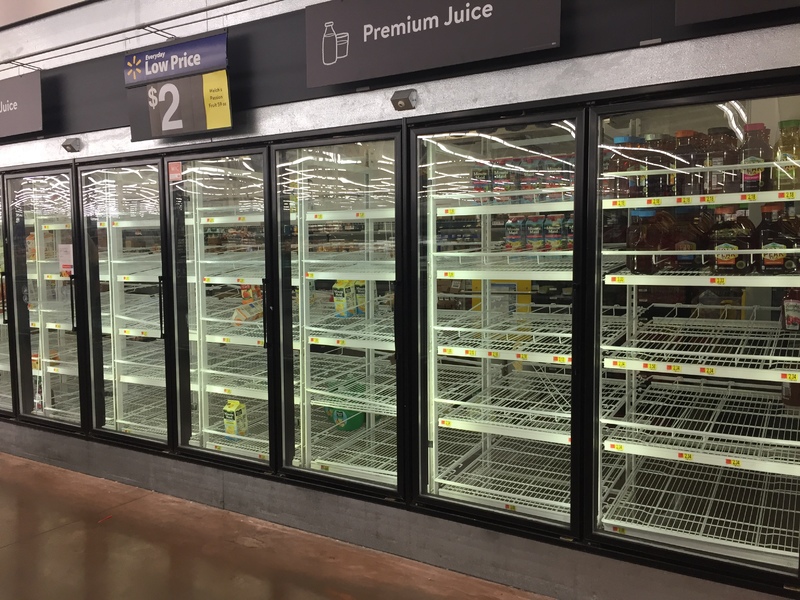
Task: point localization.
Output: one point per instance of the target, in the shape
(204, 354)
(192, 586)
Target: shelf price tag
(144, 334)
(126, 331)
(102, 224)
(708, 370)
(57, 325)
(324, 468)
(510, 507)
(616, 279)
(262, 457)
(786, 195)
(685, 456)
(617, 447)
(619, 203)
(55, 370)
(560, 359)
(650, 366)
(616, 529)
(449, 274)
(492, 354)
(789, 376)
(360, 215)
(732, 462)
(217, 447)
(313, 340)
(318, 216)
(226, 391)
(115, 223)
(683, 200)
(674, 368)
(717, 281)
(522, 356)
(654, 201)
(619, 363)
(126, 278)
(470, 353)
(34, 324)
(226, 340)
(447, 350)
(260, 343)
(241, 219)
(309, 275)
(239, 280)
(209, 219)
(708, 199)
(749, 197)
(341, 342)
(445, 423)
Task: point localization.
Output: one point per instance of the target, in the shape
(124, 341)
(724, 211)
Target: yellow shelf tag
(732, 462)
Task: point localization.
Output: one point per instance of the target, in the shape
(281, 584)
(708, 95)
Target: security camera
(72, 145)
(405, 99)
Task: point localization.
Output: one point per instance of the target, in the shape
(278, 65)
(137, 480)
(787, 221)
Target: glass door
(701, 243)
(222, 236)
(337, 221)
(42, 245)
(122, 213)
(498, 206)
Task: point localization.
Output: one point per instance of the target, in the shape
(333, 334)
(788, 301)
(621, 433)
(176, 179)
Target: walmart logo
(133, 66)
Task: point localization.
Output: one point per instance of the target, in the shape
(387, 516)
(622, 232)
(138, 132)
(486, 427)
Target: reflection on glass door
(338, 235)
(6, 384)
(701, 245)
(41, 232)
(122, 205)
(499, 206)
(224, 244)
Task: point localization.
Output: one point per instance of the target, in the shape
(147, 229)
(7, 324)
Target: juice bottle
(720, 152)
(690, 153)
(787, 149)
(553, 232)
(660, 156)
(646, 234)
(688, 236)
(728, 236)
(629, 159)
(513, 234)
(534, 232)
(755, 149)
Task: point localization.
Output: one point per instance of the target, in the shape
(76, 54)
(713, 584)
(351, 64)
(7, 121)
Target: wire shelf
(236, 367)
(65, 404)
(245, 264)
(142, 359)
(520, 475)
(255, 443)
(142, 411)
(722, 419)
(379, 329)
(368, 453)
(711, 506)
(745, 343)
(352, 383)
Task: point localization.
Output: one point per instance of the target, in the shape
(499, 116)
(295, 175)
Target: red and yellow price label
(685, 456)
(318, 216)
(239, 280)
(708, 199)
(449, 211)
(445, 423)
(789, 376)
(493, 354)
(560, 359)
(341, 342)
(227, 391)
(616, 529)
(447, 350)
(209, 219)
(470, 353)
(313, 340)
(511, 507)
(206, 279)
(260, 343)
(749, 197)
(263, 457)
(241, 219)
(617, 280)
(708, 370)
(717, 281)
(654, 201)
(683, 200)
(650, 366)
(619, 363)
(324, 468)
(522, 356)
(619, 203)
(674, 368)
(226, 340)
(617, 447)
(360, 215)
(449, 274)
(786, 195)
(733, 462)
(309, 275)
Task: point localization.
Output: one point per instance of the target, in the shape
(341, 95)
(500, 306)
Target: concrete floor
(70, 536)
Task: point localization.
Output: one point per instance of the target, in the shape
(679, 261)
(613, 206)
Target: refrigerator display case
(699, 210)
(498, 207)
(42, 245)
(337, 221)
(223, 239)
(122, 217)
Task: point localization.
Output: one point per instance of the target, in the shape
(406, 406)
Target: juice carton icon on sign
(335, 46)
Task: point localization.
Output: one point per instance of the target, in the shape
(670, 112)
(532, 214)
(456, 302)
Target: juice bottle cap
(644, 212)
(725, 210)
(755, 127)
(652, 137)
(765, 208)
(686, 133)
(790, 124)
(628, 139)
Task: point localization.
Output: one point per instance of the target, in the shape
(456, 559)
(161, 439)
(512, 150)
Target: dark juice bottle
(646, 234)
(787, 153)
(774, 236)
(754, 152)
(728, 237)
(659, 156)
(688, 236)
(628, 158)
(690, 153)
(721, 151)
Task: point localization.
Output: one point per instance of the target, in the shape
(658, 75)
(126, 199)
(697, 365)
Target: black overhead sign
(21, 104)
(698, 11)
(353, 40)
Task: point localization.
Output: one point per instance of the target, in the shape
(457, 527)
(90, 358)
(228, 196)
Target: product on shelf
(755, 149)
(361, 297)
(627, 160)
(252, 311)
(569, 232)
(346, 420)
(514, 239)
(790, 310)
(660, 157)
(774, 235)
(646, 234)
(344, 298)
(554, 233)
(690, 150)
(787, 149)
(534, 232)
(250, 293)
(234, 418)
(690, 233)
(728, 236)
(30, 247)
(721, 151)
(36, 364)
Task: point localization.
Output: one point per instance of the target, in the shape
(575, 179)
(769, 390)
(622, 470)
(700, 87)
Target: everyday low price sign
(171, 91)
(353, 40)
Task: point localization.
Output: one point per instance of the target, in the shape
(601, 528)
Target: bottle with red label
(646, 234)
(753, 153)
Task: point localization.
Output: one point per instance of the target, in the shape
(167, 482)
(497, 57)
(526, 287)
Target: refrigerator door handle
(161, 305)
(72, 302)
(3, 297)
(264, 309)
